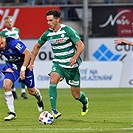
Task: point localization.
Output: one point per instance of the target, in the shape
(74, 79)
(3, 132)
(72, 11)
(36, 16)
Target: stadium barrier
(93, 74)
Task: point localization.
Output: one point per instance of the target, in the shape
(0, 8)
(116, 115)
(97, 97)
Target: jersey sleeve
(18, 31)
(73, 35)
(3, 33)
(18, 45)
(43, 38)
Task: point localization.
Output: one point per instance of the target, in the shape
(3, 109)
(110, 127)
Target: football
(46, 118)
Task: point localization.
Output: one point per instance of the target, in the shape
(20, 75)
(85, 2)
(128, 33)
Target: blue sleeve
(18, 45)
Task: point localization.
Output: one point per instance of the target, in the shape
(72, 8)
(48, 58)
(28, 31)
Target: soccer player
(67, 47)
(18, 57)
(13, 32)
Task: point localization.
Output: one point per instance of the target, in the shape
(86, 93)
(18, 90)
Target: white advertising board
(104, 49)
(45, 52)
(100, 50)
(93, 74)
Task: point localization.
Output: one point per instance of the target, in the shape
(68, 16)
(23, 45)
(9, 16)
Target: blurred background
(98, 22)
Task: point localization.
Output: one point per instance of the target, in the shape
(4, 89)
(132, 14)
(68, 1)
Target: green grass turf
(110, 112)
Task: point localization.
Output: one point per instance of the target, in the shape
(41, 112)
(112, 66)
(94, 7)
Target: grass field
(110, 112)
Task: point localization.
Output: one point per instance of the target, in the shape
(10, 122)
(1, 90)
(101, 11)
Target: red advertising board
(124, 22)
(30, 20)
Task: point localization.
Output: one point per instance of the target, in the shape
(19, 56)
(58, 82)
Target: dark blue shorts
(13, 75)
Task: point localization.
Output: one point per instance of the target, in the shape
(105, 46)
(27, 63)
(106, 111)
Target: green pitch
(110, 112)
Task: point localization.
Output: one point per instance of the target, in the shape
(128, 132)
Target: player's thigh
(54, 77)
(9, 79)
(72, 77)
(56, 74)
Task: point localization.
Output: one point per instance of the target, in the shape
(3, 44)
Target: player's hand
(22, 75)
(30, 67)
(72, 61)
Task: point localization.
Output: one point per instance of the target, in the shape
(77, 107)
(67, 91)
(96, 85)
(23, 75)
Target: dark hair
(55, 13)
(8, 17)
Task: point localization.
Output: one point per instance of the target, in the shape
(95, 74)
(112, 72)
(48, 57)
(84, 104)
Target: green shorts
(71, 75)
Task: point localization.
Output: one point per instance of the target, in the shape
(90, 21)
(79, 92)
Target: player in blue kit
(18, 57)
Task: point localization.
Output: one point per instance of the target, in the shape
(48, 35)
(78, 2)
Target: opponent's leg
(84, 100)
(79, 95)
(53, 96)
(36, 93)
(23, 91)
(9, 100)
(14, 92)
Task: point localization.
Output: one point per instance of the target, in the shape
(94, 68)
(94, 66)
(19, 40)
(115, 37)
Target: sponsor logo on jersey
(60, 40)
(18, 46)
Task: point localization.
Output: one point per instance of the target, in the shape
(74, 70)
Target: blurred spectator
(16, 1)
(40, 2)
(108, 1)
(8, 1)
(56, 2)
(13, 1)
(31, 2)
(70, 13)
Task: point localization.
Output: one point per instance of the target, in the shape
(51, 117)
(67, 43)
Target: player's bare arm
(34, 54)
(27, 58)
(123, 42)
(80, 48)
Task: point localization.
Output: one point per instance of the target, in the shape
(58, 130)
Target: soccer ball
(46, 118)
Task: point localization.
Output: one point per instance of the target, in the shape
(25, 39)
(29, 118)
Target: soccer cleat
(14, 94)
(40, 106)
(85, 108)
(11, 116)
(56, 114)
(24, 95)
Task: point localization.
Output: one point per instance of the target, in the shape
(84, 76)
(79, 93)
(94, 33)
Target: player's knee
(7, 84)
(54, 81)
(7, 87)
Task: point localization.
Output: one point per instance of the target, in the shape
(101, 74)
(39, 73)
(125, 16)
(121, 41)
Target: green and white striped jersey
(63, 45)
(8, 33)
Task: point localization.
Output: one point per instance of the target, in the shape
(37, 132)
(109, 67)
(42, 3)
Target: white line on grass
(65, 129)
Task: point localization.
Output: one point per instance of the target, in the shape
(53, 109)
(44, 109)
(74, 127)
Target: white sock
(9, 101)
(22, 90)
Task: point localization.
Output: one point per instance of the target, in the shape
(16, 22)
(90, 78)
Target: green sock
(82, 98)
(23, 85)
(52, 95)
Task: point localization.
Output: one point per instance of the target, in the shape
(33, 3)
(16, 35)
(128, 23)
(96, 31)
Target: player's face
(8, 23)
(53, 22)
(2, 43)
